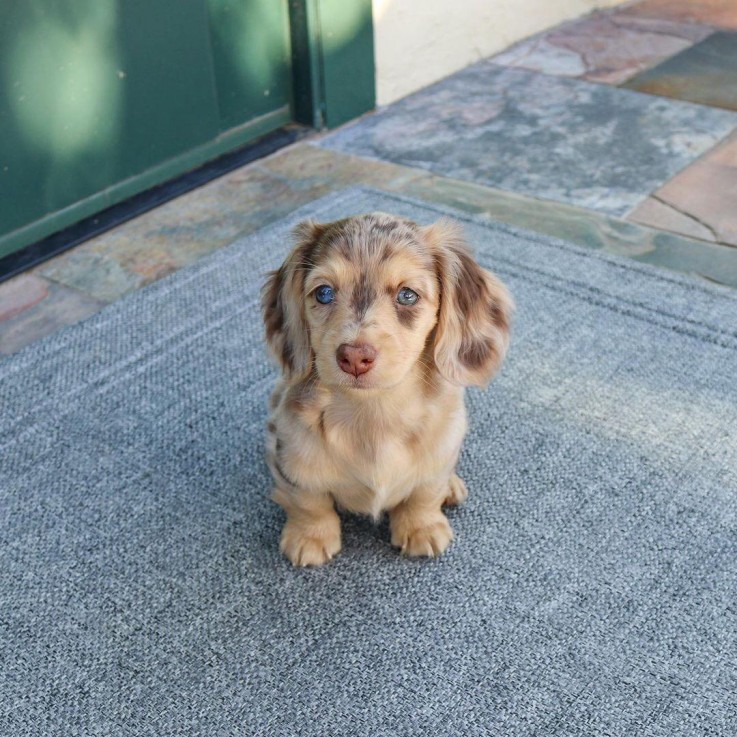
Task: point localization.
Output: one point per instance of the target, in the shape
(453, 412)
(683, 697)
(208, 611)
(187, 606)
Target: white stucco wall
(420, 41)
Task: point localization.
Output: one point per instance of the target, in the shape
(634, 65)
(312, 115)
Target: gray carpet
(590, 590)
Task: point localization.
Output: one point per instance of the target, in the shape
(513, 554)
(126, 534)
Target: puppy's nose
(356, 359)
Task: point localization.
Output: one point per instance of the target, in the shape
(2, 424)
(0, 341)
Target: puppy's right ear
(282, 301)
(475, 312)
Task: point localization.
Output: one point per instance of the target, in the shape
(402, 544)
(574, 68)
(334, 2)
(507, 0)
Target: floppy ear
(282, 301)
(472, 333)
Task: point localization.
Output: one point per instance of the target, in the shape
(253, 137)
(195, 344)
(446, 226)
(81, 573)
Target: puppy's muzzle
(356, 359)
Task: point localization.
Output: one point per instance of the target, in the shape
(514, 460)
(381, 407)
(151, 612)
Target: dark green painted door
(251, 58)
(102, 99)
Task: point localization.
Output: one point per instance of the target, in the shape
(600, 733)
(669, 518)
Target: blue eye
(407, 296)
(324, 294)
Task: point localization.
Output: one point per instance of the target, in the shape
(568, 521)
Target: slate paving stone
(685, 29)
(97, 274)
(603, 47)
(702, 196)
(20, 294)
(705, 73)
(58, 307)
(174, 235)
(567, 140)
(719, 13)
(658, 213)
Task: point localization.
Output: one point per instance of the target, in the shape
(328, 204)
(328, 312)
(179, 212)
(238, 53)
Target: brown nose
(356, 359)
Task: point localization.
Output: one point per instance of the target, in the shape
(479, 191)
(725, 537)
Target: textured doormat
(590, 590)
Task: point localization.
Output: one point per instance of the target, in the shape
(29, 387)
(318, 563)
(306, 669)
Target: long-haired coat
(378, 324)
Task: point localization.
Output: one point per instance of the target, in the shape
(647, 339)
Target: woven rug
(590, 590)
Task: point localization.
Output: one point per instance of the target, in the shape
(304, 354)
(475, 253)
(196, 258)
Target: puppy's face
(362, 301)
(371, 300)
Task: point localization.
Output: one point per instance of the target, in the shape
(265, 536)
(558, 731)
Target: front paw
(422, 538)
(310, 545)
(457, 491)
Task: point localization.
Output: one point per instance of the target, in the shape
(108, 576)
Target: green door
(101, 99)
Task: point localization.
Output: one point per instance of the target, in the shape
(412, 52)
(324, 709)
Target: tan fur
(388, 439)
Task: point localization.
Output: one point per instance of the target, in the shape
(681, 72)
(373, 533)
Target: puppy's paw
(428, 537)
(457, 491)
(310, 545)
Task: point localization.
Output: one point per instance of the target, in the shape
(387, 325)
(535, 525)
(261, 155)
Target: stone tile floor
(561, 150)
(705, 73)
(604, 47)
(568, 140)
(718, 13)
(700, 201)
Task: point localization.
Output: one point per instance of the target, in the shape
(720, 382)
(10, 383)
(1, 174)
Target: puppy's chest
(382, 456)
(370, 459)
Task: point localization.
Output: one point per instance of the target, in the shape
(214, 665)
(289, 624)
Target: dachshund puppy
(378, 324)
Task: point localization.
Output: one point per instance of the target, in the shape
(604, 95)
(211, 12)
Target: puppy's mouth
(360, 382)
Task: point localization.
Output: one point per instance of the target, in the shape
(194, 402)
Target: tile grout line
(688, 215)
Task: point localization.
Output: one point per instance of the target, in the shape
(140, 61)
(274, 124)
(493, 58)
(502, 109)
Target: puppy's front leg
(457, 492)
(418, 524)
(311, 535)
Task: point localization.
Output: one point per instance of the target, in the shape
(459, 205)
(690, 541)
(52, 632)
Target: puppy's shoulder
(299, 402)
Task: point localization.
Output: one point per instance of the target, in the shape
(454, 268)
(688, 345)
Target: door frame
(332, 60)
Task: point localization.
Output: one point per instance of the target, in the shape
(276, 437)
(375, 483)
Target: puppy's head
(365, 300)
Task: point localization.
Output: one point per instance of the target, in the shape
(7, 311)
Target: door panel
(170, 104)
(251, 55)
(96, 96)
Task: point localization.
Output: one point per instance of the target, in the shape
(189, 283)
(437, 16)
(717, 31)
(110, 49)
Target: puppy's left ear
(472, 334)
(282, 301)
